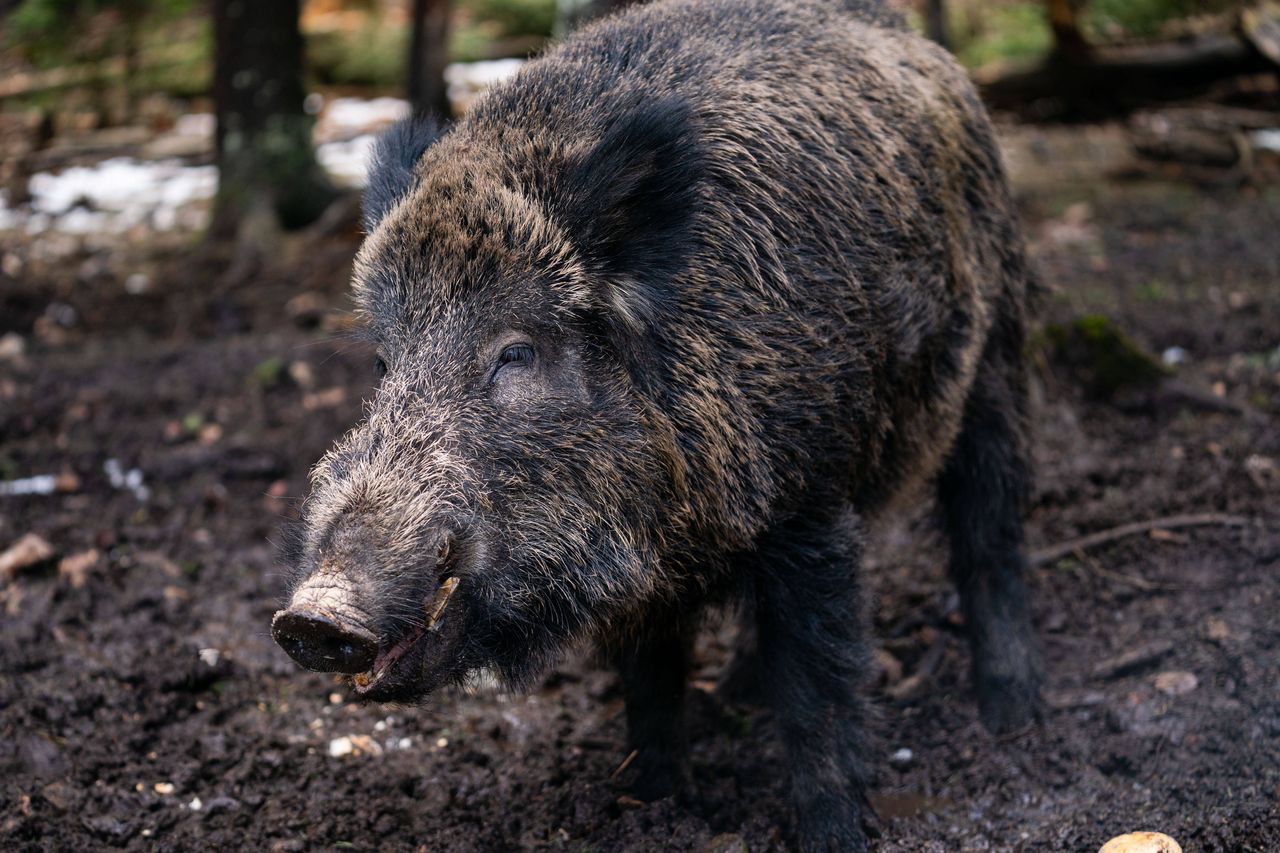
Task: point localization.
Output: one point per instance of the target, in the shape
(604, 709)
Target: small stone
(210, 656)
(335, 698)
(302, 374)
(726, 842)
(107, 826)
(363, 744)
(326, 399)
(164, 789)
(1216, 629)
(221, 804)
(195, 805)
(12, 347)
(441, 743)
(1262, 470)
(627, 803)
(74, 570)
(1176, 682)
(209, 434)
(31, 550)
(1141, 842)
(902, 758)
(341, 746)
(137, 284)
(59, 795)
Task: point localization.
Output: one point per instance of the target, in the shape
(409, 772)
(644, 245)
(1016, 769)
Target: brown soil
(115, 726)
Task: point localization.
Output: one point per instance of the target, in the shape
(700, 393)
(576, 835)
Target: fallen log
(1109, 81)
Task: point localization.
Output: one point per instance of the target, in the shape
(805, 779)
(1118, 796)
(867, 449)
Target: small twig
(1053, 553)
(912, 687)
(1131, 660)
(1134, 580)
(626, 762)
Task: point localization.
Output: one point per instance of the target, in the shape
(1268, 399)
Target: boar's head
(515, 485)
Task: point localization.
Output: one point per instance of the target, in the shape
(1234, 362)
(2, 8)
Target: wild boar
(663, 322)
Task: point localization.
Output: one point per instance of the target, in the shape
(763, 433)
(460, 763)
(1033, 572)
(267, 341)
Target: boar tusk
(437, 605)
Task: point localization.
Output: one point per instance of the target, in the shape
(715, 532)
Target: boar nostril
(322, 644)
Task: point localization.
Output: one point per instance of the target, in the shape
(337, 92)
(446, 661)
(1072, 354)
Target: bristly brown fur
(771, 247)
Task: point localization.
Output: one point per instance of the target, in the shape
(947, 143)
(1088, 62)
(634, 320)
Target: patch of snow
(347, 161)
(1268, 139)
(344, 118)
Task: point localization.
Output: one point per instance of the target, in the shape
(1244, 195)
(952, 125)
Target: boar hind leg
(812, 663)
(981, 491)
(654, 664)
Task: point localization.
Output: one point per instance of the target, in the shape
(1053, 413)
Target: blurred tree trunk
(268, 176)
(571, 14)
(1068, 38)
(935, 22)
(428, 55)
(1079, 80)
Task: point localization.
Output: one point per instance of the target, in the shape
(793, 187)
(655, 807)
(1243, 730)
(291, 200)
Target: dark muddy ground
(142, 703)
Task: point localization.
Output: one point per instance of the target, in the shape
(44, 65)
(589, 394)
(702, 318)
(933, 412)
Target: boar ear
(395, 153)
(629, 203)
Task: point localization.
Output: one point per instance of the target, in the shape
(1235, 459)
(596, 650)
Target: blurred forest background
(179, 196)
(259, 89)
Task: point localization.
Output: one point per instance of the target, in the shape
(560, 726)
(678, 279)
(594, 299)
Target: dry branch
(1052, 553)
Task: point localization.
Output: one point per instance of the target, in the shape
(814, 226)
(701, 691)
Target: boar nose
(323, 644)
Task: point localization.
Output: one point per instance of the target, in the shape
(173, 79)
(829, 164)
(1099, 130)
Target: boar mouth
(391, 674)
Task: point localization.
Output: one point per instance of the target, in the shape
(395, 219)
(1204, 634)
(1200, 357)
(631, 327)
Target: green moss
(1010, 32)
(1143, 18)
(1153, 291)
(374, 55)
(268, 372)
(1102, 358)
(514, 17)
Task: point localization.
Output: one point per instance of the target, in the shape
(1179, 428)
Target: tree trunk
(428, 55)
(267, 167)
(935, 22)
(1064, 20)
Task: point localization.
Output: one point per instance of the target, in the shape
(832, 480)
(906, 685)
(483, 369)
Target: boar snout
(323, 628)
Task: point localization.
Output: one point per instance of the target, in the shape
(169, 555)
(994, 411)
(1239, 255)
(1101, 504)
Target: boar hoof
(831, 825)
(1007, 704)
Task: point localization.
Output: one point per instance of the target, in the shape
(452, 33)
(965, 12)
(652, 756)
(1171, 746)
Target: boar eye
(379, 366)
(516, 354)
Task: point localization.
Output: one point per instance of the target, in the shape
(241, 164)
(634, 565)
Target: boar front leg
(812, 664)
(654, 665)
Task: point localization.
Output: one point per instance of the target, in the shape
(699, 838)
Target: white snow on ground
(123, 193)
(1268, 140)
(467, 79)
(347, 162)
(345, 118)
(117, 194)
